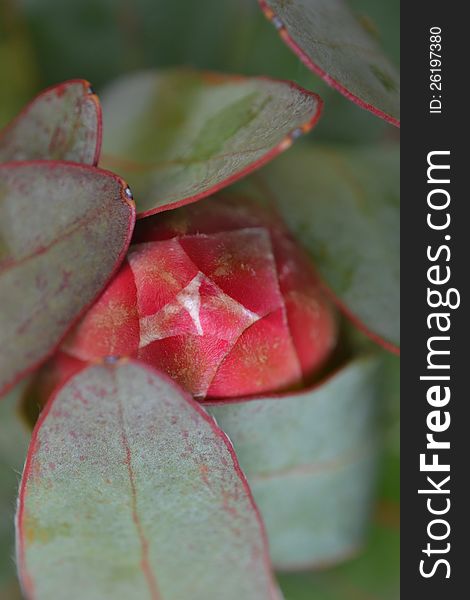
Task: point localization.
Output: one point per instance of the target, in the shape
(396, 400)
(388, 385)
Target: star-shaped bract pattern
(218, 296)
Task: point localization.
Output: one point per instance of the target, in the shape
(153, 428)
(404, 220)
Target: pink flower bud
(218, 295)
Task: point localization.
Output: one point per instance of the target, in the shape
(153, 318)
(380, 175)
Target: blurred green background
(45, 41)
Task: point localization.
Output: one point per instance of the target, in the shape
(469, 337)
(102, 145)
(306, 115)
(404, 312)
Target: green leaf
(64, 229)
(179, 135)
(344, 206)
(230, 36)
(375, 572)
(130, 490)
(62, 123)
(333, 43)
(310, 460)
(14, 437)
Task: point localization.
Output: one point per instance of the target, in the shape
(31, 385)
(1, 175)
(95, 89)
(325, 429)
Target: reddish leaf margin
(272, 17)
(59, 88)
(127, 200)
(283, 145)
(27, 583)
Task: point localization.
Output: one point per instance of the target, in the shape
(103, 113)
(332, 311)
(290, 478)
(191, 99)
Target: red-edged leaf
(179, 135)
(64, 229)
(61, 123)
(130, 490)
(310, 458)
(332, 42)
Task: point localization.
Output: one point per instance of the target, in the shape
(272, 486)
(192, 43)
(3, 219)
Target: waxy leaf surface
(344, 206)
(64, 229)
(62, 123)
(179, 135)
(131, 490)
(332, 42)
(375, 572)
(310, 460)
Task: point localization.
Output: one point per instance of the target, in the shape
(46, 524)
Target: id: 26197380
(435, 70)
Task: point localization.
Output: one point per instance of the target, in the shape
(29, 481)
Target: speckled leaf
(179, 135)
(310, 460)
(64, 229)
(14, 438)
(62, 123)
(130, 490)
(333, 43)
(344, 206)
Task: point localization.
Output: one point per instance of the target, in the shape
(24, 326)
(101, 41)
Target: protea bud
(218, 295)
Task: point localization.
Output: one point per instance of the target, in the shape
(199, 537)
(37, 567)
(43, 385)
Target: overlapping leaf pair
(77, 221)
